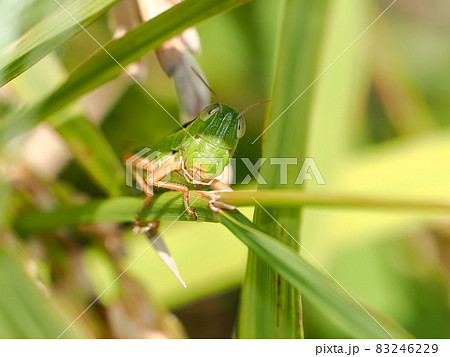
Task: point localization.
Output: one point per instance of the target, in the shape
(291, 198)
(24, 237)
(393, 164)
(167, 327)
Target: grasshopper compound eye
(241, 127)
(209, 111)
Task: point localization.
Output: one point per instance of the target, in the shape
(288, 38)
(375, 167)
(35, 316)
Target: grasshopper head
(223, 126)
(214, 138)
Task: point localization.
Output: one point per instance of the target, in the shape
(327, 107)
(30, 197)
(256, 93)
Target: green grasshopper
(190, 158)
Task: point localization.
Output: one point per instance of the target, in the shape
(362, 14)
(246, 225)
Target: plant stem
(290, 198)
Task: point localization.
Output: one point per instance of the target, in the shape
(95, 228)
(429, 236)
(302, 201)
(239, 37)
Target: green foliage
(109, 62)
(166, 207)
(48, 34)
(169, 206)
(287, 138)
(377, 129)
(317, 287)
(86, 142)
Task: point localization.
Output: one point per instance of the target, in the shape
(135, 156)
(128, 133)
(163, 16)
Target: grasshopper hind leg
(143, 227)
(150, 228)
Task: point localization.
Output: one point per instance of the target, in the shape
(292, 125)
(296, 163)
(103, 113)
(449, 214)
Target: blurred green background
(394, 141)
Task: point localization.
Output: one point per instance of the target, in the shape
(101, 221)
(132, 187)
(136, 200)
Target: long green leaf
(101, 68)
(287, 198)
(319, 288)
(47, 35)
(295, 69)
(93, 153)
(169, 206)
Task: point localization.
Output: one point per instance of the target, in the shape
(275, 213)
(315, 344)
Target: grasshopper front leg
(158, 174)
(215, 205)
(154, 177)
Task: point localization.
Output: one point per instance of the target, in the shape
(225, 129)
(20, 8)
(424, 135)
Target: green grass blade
(93, 153)
(101, 68)
(169, 206)
(287, 198)
(49, 33)
(319, 288)
(5, 192)
(295, 69)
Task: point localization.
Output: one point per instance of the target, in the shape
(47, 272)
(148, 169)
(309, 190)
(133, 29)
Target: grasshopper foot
(192, 213)
(143, 227)
(215, 205)
(187, 204)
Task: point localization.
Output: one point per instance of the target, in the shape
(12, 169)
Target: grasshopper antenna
(209, 88)
(253, 105)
